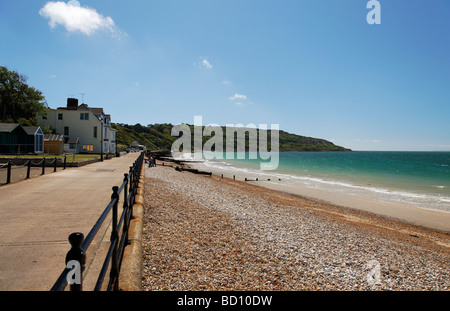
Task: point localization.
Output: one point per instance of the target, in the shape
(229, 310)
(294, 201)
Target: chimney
(72, 103)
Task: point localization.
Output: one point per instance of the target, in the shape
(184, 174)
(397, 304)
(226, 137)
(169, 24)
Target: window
(95, 132)
(39, 143)
(88, 147)
(84, 116)
(66, 131)
(60, 116)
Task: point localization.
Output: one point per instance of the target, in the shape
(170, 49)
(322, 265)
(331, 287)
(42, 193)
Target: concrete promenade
(37, 216)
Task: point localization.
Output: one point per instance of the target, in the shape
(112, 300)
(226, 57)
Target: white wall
(83, 129)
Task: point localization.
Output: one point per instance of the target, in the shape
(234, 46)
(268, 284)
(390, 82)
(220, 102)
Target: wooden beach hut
(54, 143)
(13, 138)
(35, 139)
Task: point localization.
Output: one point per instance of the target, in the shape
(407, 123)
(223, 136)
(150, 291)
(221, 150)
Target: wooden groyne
(182, 165)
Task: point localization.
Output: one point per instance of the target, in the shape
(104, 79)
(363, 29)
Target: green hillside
(158, 137)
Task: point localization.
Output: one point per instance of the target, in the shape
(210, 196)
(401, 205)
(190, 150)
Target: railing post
(54, 166)
(131, 174)
(76, 258)
(8, 173)
(43, 166)
(126, 208)
(130, 182)
(114, 274)
(125, 193)
(28, 169)
(64, 162)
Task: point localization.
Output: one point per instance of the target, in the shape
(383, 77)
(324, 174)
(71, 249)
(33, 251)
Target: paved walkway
(37, 216)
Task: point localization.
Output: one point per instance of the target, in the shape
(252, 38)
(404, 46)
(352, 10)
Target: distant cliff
(158, 137)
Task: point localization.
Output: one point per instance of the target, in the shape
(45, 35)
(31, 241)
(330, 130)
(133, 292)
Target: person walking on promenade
(150, 161)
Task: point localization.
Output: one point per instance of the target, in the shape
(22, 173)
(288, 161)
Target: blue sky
(315, 67)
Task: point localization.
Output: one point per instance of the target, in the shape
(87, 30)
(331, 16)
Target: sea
(421, 179)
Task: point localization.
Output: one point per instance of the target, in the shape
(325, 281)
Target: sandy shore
(208, 233)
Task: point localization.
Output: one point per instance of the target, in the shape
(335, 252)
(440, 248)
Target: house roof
(8, 127)
(84, 107)
(71, 140)
(31, 130)
(53, 137)
(96, 111)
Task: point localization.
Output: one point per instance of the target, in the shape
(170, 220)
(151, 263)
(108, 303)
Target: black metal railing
(44, 163)
(76, 257)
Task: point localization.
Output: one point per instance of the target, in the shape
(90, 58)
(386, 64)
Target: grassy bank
(78, 157)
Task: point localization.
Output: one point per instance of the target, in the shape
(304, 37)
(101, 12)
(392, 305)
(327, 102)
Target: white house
(89, 127)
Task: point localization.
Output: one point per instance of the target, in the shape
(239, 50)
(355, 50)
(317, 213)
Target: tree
(17, 99)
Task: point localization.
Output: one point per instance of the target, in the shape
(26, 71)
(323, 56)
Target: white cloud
(75, 18)
(203, 63)
(238, 96)
(206, 64)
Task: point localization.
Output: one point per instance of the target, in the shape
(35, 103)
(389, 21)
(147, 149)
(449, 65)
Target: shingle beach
(208, 233)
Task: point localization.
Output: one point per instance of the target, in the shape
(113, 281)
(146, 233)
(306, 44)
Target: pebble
(204, 233)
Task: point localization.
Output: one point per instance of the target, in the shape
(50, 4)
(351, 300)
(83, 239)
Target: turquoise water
(419, 178)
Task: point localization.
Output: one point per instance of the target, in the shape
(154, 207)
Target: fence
(41, 163)
(75, 258)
